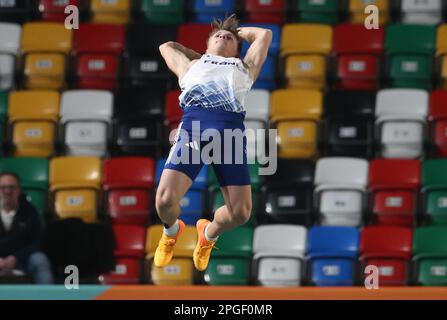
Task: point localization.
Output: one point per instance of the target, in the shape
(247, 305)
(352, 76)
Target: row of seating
(393, 123)
(102, 56)
(331, 192)
(176, 11)
(288, 255)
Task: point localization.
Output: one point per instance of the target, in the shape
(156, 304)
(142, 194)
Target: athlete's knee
(165, 199)
(242, 212)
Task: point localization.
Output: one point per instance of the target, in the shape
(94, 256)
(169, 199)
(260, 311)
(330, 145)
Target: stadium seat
(257, 105)
(261, 11)
(216, 198)
(129, 251)
(128, 183)
(323, 12)
(113, 12)
(268, 74)
(86, 117)
(34, 175)
(428, 12)
(206, 10)
(340, 187)
(395, 186)
(389, 248)
(279, 253)
(287, 194)
(33, 117)
(180, 271)
(430, 256)
(441, 53)
(173, 111)
(75, 191)
(358, 53)
(194, 36)
(230, 265)
(304, 48)
(332, 254)
(401, 117)
(139, 115)
(45, 46)
(410, 60)
(97, 50)
(3, 119)
(434, 189)
(17, 11)
(192, 205)
(349, 123)
(10, 35)
(296, 115)
(168, 12)
(357, 10)
(54, 10)
(438, 122)
(143, 63)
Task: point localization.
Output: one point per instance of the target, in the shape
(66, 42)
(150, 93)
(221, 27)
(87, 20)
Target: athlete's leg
(171, 189)
(235, 212)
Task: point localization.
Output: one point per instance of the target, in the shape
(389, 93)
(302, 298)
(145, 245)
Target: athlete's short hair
(231, 24)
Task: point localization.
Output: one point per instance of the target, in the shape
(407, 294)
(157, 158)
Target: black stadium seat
(144, 64)
(18, 11)
(287, 195)
(139, 115)
(349, 122)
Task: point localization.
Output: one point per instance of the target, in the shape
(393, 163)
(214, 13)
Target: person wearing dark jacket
(20, 233)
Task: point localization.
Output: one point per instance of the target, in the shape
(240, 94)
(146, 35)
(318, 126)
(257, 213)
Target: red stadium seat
(358, 51)
(129, 250)
(194, 36)
(438, 122)
(53, 10)
(394, 184)
(172, 110)
(388, 248)
(97, 49)
(261, 11)
(128, 182)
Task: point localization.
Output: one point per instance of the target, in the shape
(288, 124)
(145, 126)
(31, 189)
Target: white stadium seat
(10, 35)
(428, 12)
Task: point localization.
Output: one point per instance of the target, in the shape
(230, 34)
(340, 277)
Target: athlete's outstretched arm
(178, 57)
(260, 40)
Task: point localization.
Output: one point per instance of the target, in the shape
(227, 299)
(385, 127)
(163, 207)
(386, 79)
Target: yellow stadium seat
(295, 114)
(181, 270)
(33, 116)
(305, 48)
(357, 10)
(112, 12)
(75, 184)
(441, 52)
(306, 71)
(45, 46)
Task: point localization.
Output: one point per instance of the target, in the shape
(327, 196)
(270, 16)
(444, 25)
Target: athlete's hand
(244, 33)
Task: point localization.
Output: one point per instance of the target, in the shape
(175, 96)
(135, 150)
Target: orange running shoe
(203, 249)
(165, 250)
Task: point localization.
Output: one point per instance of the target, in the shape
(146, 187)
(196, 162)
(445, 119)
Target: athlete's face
(223, 43)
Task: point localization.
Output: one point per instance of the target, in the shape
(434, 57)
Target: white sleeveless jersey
(216, 82)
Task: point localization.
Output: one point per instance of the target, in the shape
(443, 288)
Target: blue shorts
(192, 146)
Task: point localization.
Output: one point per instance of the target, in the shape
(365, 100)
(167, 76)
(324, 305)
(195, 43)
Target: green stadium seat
(430, 256)
(323, 11)
(230, 264)
(33, 173)
(410, 59)
(216, 199)
(434, 188)
(162, 12)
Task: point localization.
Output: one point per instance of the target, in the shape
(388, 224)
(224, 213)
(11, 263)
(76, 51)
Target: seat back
(394, 174)
(99, 38)
(114, 12)
(428, 12)
(45, 37)
(332, 242)
(434, 174)
(85, 172)
(194, 36)
(296, 39)
(129, 241)
(129, 172)
(33, 105)
(308, 104)
(430, 242)
(402, 102)
(356, 10)
(423, 39)
(164, 12)
(86, 105)
(10, 36)
(386, 241)
(279, 239)
(339, 171)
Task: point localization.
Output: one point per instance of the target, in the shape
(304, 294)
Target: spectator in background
(20, 234)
